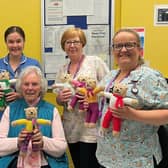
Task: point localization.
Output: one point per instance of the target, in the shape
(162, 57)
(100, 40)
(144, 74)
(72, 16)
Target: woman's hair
(13, 29)
(71, 33)
(138, 40)
(28, 70)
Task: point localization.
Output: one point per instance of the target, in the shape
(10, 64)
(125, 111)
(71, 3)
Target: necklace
(78, 66)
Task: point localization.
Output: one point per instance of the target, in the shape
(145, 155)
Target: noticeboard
(96, 20)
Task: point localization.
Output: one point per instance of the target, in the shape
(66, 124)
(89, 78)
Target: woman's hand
(12, 96)
(64, 95)
(153, 117)
(83, 99)
(37, 139)
(125, 112)
(21, 138)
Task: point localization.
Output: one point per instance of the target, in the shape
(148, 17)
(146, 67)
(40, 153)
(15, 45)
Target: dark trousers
(163, 139)
(83, 155)
(155, 163)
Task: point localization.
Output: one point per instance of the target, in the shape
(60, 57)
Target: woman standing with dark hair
(15, 60)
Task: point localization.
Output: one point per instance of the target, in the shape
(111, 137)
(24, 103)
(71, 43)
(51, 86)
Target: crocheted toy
(65, 82)
(117, 99)
(5, 84)
(31, 122)
(79, 83)
(90, 91)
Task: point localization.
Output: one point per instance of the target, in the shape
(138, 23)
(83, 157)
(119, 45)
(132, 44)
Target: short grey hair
(28, 70)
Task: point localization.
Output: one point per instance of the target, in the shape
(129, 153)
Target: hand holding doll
(117, 100)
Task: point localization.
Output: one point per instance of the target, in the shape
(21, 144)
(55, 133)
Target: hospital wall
(131, 13)
(128, 13)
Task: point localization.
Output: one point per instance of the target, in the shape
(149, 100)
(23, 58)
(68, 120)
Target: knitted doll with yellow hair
(91, 91)
(31, 122)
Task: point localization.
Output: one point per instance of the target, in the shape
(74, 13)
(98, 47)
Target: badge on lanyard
(134, 88)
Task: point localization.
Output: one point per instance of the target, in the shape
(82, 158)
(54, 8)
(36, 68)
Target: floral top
(73, 122)
(138, 142)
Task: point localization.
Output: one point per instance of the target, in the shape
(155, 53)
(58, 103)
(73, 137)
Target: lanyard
(108, 88)
(113, 80)
(78, 66)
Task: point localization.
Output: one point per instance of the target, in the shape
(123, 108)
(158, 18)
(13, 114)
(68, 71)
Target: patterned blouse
(138, 142)
(73, 122)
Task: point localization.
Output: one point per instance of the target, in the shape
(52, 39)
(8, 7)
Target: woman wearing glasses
(137, 144)
(81, 140)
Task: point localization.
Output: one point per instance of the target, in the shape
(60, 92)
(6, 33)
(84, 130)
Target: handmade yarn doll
(31, 122)
(5, 84)
(65, 82)
(79, 83)
(117, 99)
(90, 91)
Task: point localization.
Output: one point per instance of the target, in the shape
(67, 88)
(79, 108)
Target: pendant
(134, 90)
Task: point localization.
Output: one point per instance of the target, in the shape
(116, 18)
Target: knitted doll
(31, 122)
(79, 83)
(65, 82)
(5, 84)
(117, 99)
(90, 91)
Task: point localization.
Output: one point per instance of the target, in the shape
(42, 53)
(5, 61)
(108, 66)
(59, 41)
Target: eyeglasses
(128, 46)
(75, 42)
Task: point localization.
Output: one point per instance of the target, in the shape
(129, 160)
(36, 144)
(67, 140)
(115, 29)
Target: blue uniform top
(24, 62)
(138, 142)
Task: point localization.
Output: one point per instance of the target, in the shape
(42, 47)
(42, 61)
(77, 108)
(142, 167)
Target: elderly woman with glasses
(137, 144)
(82, 141)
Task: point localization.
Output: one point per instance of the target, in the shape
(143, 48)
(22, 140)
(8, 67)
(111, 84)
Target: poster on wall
(54, 12)
(58, 15)
(161, 15)
(98, 41)
(141, 32)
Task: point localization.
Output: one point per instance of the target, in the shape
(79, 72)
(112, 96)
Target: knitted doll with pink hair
(91, 91)
(79, 83)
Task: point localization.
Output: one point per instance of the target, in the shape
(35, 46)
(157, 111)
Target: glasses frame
(74, 42)
(128, 45)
